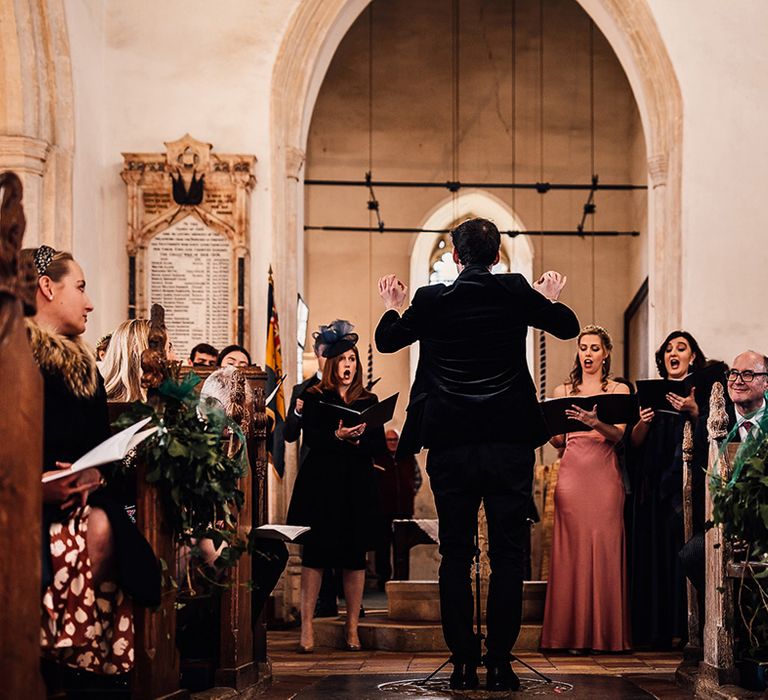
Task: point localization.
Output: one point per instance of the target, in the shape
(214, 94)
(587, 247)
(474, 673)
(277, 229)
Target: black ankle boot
(500, 676)
(464, 677)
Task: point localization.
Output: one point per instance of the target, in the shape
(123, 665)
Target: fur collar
(70, 358)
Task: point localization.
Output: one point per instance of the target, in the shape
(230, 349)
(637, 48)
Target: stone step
(419, 601)
(379, 632)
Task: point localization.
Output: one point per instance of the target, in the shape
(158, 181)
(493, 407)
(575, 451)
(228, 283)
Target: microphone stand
(479, 636)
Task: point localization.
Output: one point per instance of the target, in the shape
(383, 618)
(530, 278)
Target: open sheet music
(286, 533)
(373, 416)
(611, 408)
(113, 449)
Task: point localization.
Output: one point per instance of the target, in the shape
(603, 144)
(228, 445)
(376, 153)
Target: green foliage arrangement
(196, 458)
(740, 505)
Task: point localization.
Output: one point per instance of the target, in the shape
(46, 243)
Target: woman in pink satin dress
(586, 607)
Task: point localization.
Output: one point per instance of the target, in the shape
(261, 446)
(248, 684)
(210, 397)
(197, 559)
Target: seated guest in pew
(121, 367)
(203, 355)
(747, 384)
(96, 564)
(657, 587)
(235, 356)
(586, 605)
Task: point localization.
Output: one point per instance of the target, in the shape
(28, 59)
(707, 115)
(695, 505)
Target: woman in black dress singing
(335, 490)
(657, 580)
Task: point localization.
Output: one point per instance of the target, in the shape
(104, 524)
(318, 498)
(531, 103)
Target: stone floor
(341, 675)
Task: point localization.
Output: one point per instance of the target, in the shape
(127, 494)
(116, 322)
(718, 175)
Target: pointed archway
(308, 46)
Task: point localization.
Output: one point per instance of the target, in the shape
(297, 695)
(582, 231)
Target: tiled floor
(294, 672)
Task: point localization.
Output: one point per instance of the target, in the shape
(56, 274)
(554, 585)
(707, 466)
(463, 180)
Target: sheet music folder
(652, 393)
(611, 408)
(373, 416)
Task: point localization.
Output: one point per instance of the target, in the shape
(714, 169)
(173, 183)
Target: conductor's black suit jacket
(472, 382)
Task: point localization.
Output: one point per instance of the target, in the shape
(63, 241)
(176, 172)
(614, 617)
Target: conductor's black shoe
(464, 677)
(501, 677)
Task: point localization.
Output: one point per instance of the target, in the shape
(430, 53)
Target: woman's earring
(50, 296)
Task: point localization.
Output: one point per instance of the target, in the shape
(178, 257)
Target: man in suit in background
(473, 404)
(747, 384)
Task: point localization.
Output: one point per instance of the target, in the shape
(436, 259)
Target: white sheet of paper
(286, 533)
(112, 449)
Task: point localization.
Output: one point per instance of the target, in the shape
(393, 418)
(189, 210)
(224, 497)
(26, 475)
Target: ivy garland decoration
(740, 506)
(196, 458)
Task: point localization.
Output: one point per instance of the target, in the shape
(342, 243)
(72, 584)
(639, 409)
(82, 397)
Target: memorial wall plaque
(188, 247)
(189, 275)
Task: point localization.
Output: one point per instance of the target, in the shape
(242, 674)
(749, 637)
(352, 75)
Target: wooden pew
(718, 668)
(693, 651)
(242, 636)
(20, 460)
(156, 672)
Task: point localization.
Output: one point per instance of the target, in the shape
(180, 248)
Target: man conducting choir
(473, 404)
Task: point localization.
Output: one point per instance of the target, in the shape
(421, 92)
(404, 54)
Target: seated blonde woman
(121, 366)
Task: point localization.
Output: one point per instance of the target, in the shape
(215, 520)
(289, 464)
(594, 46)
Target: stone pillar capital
(24, 154)
(295, 158)
(658, 169)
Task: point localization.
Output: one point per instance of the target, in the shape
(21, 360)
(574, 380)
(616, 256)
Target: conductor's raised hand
(550, 284)
(392, 292)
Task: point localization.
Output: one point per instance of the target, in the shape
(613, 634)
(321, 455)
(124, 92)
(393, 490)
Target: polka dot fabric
(83, 628)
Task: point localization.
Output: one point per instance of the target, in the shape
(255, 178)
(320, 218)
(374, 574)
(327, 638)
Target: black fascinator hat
(335, 338)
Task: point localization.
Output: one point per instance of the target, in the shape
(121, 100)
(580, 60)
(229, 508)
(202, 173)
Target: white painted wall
(146, 72)
(720, 55)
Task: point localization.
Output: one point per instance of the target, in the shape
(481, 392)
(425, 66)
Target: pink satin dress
(586, 605)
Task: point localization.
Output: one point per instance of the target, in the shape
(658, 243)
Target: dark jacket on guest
(75, 420)
(293, 423)
(396, 485)
(472, 382)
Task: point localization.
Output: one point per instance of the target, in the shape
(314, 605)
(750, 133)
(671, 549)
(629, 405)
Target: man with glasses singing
(747, 384)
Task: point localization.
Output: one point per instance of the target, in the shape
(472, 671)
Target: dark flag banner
(274, 368)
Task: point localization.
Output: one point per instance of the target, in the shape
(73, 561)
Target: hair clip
(43, 257)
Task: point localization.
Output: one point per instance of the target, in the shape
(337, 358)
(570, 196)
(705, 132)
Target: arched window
(443, 269)
(431, 255)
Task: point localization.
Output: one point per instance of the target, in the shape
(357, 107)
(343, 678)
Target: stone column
(665, 253)
(288, 254)
(27, 157)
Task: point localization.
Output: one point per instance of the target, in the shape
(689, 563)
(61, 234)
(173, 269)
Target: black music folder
(652, 393)
(373, 416)
(611, 408)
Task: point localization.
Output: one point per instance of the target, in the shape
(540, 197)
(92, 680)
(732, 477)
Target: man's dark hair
(477, 242)
(203, 348)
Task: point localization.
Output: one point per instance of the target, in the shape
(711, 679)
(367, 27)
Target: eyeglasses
(746, 376)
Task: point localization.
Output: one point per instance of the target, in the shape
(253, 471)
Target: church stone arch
(36, 114)
(314, 32)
